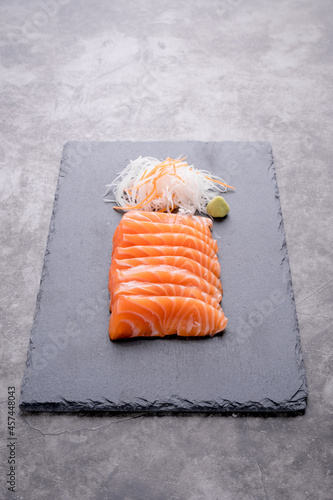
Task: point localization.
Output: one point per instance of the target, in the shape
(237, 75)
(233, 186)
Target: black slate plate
(255, 366)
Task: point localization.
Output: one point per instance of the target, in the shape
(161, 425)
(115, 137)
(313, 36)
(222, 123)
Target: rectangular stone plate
(254, 367)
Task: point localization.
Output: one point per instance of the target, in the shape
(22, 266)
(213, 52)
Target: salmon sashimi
(137, 227)
(164, 277)
(155, 250)
(203, 224)
(163, 274)
(169, 260)
(169, 239)
(168, 217)
(161, 289)
(147, 316)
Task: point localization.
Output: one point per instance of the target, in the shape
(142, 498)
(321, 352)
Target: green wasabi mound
(218, 207)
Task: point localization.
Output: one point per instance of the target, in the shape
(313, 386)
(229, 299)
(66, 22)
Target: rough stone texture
(254, 367)
(209, 71)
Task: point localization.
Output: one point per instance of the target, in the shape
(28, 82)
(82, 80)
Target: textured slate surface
(255, 366)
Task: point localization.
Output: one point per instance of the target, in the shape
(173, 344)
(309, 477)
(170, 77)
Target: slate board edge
(285, 263)
(61, 176)
(295, 406)
(176, 406)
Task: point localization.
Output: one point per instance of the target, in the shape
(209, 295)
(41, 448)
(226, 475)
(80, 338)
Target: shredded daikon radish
(149, 184)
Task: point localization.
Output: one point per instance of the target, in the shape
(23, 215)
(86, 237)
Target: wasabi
(218, 207)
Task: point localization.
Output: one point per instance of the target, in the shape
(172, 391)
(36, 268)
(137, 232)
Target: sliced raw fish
(147, 316)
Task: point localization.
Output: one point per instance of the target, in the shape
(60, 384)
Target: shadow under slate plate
(255, 366)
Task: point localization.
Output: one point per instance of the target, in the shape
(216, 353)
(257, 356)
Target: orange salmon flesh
(164, 277)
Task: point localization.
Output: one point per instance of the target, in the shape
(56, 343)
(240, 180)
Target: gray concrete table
(146, 71)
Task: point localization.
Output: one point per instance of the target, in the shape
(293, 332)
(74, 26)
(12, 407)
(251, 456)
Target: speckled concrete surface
(145, 70)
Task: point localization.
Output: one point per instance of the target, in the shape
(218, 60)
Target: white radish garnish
(149, 184)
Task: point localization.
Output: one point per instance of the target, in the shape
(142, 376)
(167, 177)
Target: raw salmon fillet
(163, 274)
(169, 260)
(158, 250)
(169, 239)
(148, 316)
(169, 218)
(203, 224)
(140, 227)
(164, 277)
(161, 289)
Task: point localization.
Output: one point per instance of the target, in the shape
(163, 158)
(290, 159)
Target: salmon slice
(167, 217)
(155, 250)
(203, 224)
(137, 227)
(169, 239)
(146, 316)
(162, 274)
(161, 289)
(168, 260)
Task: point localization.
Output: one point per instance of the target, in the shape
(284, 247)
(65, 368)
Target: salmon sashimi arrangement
(164, 277)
